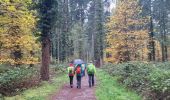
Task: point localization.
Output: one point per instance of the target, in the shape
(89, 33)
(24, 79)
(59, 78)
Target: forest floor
(67, 93)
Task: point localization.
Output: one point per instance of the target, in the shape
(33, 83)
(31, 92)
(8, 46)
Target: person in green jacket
(91, 70)
(71, 73)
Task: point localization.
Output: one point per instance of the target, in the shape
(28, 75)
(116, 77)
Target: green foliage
(3, 68)
(14, 75)
(59, 67)
(98, 30)
(42, 92)
(134, 75)
(108, 89)
(78, 37)
(10, 79)
(160, 81)
(48, 12)
(144, 77)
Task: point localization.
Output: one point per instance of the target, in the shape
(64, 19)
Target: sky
(113, 4)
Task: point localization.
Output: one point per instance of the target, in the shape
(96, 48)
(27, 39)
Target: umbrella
(78, 61)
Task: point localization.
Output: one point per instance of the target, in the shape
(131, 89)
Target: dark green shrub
(59, 67)
(3, 68)
(144, 77)
(10, 79)
(134, 75)
(159, 81)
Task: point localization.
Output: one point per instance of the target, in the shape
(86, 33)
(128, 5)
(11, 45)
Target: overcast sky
(113, 4)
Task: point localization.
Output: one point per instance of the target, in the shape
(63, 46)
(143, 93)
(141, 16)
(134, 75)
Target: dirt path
(67, 93)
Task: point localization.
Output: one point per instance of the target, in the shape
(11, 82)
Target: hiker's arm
(74, 69)
(82, 70)
(87, 68)
(68, 69)
(94, 69)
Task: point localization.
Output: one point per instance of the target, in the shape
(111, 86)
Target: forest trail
(67, 93)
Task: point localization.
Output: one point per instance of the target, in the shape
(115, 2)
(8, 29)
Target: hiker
(83, 69)
(91, 70)
(71, 74)
(78, 71)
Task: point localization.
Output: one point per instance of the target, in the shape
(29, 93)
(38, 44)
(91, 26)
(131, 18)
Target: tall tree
(78, 12)
(158, 12)
(47, 13)
(151, 54)
(99, 32)
(90, 29)
(127, 36)
(162, 17)
(17, 25)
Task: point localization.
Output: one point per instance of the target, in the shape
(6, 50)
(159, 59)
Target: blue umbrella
(78, 61)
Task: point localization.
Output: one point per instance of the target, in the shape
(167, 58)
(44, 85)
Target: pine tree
(47, 21)
(99, 32)
(162, 12)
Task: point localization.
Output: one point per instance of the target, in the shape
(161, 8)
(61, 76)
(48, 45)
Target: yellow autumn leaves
(127, 35)
(17, 25)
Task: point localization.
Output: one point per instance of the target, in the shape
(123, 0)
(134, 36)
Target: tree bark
(58, 46)
(45, 59)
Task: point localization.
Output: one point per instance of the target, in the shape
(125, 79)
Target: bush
(3, 68)
(144, 77)
(43, 91)
(11, 79)
(160, 83)
(59, 67)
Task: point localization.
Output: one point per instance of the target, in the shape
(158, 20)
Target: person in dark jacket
(79, 72)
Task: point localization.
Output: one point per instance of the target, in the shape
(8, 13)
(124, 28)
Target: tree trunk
(151, 42)
(151, 54)
(166, 53)
(58, 46)
(45, 59)
(92, 48)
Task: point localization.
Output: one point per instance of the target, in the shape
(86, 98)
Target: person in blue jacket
(83, 69)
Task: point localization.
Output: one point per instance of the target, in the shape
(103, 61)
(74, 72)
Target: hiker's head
(79, 65)
(82, 64)
(71, 65)
(91, 62)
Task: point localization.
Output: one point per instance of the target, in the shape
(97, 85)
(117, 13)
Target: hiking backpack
(71, 71)
(91, 69)
(78, 70)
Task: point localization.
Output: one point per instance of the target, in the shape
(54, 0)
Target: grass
(109, 89)
(42, 92)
